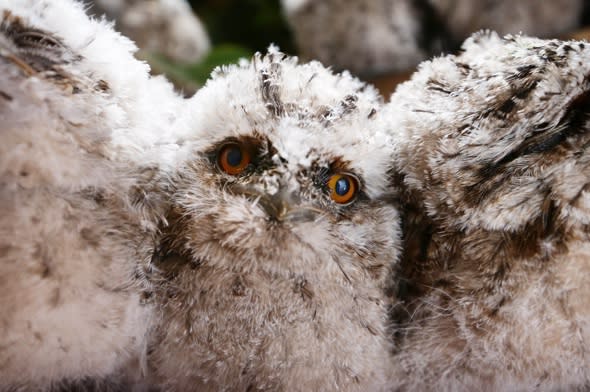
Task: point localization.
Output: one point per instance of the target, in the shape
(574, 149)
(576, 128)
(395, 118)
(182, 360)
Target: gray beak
(283, 206)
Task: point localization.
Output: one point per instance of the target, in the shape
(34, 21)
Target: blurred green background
(251, 24)
(237, 29)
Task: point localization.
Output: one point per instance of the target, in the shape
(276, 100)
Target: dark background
(239, 28)
(251, 24)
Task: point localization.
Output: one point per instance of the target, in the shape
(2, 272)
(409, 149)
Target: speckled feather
(70, 224)
(129, 257)
(491, 148)
(249, 297)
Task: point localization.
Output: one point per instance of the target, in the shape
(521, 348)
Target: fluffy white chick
(77, 112)
(242, 238)
(168, 27)
(492, 148)
(271, 269)
(372, 37)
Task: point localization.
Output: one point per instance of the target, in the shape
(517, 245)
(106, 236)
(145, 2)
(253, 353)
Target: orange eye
(233, 158)
(343, 188)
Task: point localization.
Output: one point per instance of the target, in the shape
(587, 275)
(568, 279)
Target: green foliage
(192, 75)
(219, 55)
(237, 28)
(253, 24)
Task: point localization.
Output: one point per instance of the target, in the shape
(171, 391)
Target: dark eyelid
(322, 176)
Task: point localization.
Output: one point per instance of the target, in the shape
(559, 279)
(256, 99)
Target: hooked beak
(276, 206)
(283, 206)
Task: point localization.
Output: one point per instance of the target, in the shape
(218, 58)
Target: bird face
(287, 172)
(255, 170)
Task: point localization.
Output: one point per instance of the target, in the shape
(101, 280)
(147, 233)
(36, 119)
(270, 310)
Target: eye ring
(343, 187)
(233, 158)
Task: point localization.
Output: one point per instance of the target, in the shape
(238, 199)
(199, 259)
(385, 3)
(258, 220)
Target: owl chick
(547, 19)
(373, 37)
(269, 273)
(366, 37)
(240, 239)
(492, 146)
(76, 113)
(164, 26)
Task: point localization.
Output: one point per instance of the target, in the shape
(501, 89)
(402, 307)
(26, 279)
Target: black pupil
(234, 156)
(342, 186)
